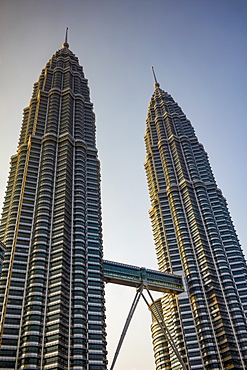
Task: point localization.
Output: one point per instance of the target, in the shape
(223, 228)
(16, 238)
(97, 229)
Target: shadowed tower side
(195, 237)
(52, 293)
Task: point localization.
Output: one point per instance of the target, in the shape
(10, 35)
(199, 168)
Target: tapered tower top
(156, 84)
(65, 44)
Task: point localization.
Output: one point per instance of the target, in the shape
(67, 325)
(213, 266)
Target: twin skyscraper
(52, 286)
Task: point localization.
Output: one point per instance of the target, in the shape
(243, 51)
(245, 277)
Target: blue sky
(198, 49)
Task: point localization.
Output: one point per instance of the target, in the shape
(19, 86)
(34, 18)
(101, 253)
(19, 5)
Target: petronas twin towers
(52, 281)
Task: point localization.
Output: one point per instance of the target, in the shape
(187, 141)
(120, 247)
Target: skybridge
(133, 276)
(142, 279)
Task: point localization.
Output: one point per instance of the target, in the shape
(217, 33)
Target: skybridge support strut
(159, 319)
(161, 322)
(127, 322)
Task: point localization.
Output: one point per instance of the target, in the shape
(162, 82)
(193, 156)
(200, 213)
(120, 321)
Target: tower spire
(65, 44)
(156, 84)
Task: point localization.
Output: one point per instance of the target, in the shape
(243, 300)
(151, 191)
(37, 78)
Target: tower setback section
(51, 288)
(194, 237)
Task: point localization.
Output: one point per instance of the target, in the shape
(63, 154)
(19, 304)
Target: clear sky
(198, 49)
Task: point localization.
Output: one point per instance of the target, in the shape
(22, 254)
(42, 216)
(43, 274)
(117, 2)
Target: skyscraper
(195, 237)
(51, 288)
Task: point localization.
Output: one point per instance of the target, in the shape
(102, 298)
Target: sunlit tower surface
(52, 296)
(195, 237)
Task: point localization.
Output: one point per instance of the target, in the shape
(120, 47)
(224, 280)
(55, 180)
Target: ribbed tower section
(160, 342)
(52, 294)
(194, 236)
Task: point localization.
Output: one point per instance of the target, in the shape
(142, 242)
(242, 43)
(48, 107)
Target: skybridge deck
(133, 276)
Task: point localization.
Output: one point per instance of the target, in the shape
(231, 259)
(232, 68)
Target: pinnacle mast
(65, 44)
(156, 84)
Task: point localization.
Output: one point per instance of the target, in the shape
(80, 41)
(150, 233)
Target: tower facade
(51, 287)
(195, 237)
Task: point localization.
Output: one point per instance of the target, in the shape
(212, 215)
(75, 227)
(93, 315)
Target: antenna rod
(156, 84)
(66, 35)
(65, 44)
